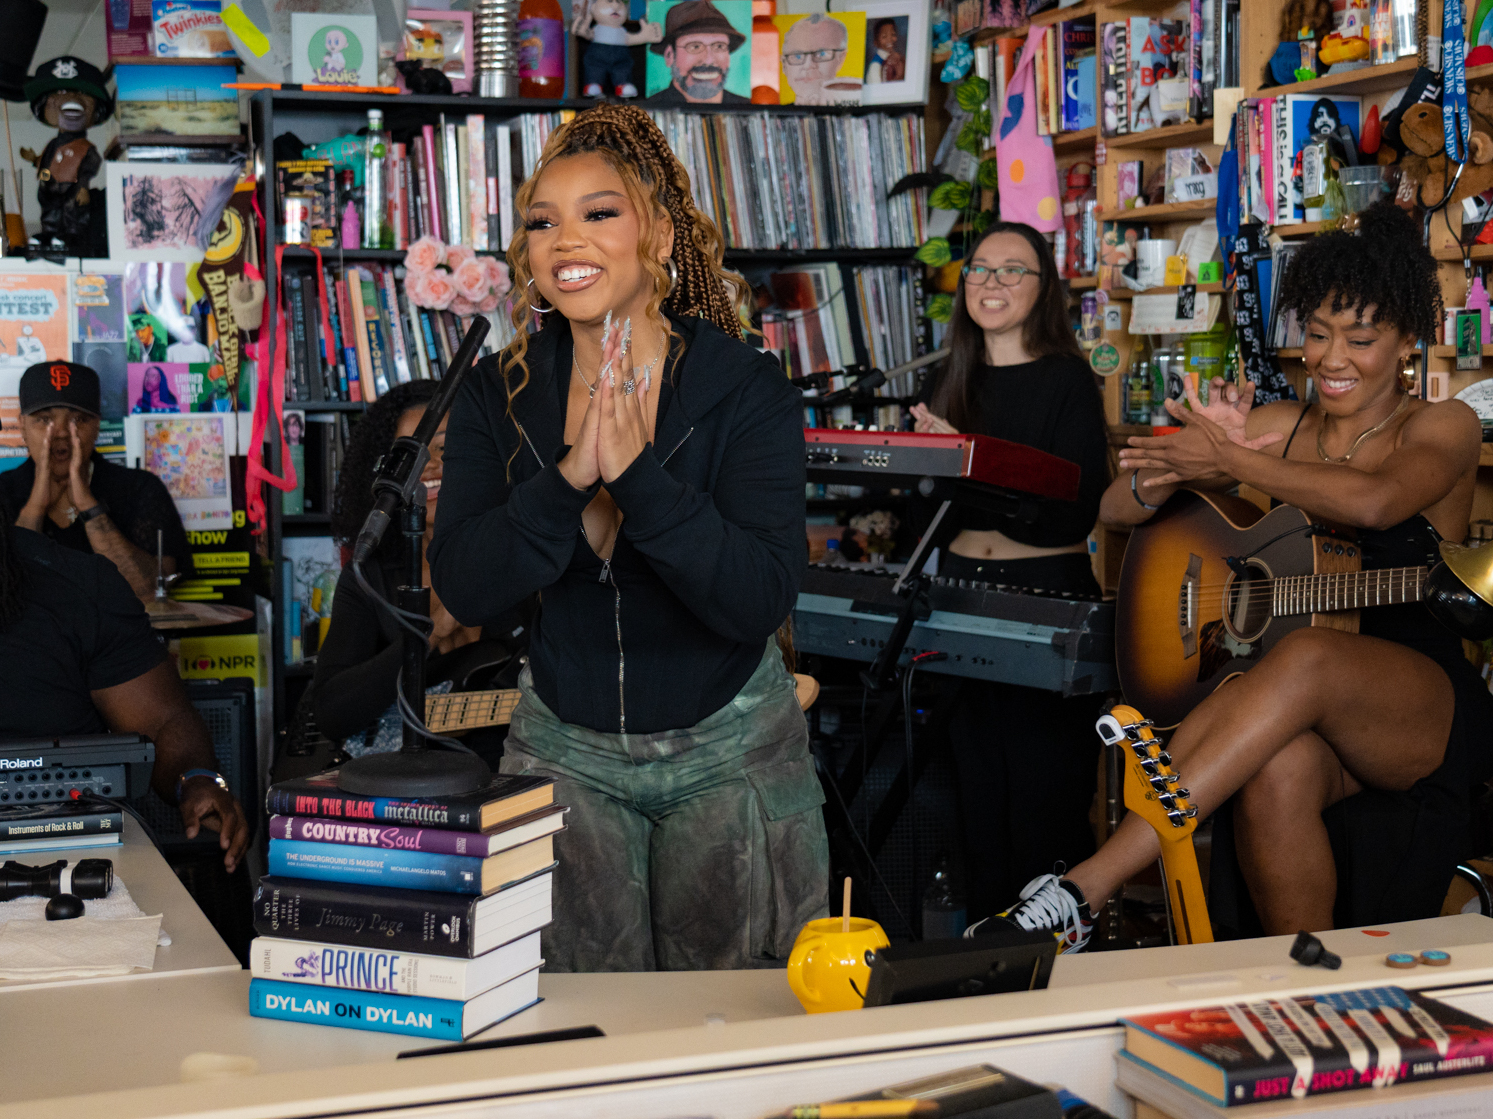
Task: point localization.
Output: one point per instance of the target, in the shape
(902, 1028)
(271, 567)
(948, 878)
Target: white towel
(113, 937)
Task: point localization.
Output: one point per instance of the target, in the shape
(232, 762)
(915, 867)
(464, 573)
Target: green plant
(973, 95)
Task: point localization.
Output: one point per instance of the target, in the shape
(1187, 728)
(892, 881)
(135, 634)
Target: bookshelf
(317, 118)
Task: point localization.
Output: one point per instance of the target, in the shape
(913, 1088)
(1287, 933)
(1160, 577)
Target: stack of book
(37, 826)
(417, 916)
(1196, 1063)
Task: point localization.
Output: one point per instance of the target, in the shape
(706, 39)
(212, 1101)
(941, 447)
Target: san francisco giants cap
(52, 384)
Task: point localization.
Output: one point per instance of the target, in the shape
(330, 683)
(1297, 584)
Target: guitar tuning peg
(1164, 757)
(1192, 811)
(1183, 793)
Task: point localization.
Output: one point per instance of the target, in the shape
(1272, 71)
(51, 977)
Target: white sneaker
(627, 89)
(1051, 904)
(592, 90)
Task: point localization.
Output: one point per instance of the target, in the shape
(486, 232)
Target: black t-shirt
(81, 629)
(1051, 404)
(137, 501)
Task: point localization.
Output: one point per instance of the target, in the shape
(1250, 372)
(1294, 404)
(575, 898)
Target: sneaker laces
(1046, 905)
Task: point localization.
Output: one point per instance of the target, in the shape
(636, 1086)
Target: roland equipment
(1012, 635)
(907, 458)
(1209, 585)
(47, 770)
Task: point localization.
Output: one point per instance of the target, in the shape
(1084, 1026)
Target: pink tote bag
(1028, 173)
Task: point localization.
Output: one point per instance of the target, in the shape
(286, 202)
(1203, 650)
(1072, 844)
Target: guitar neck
(469, 710)
(1346, 590)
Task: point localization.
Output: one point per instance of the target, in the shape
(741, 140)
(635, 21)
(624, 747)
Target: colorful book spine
(310, 964)
(371, 866)
(334, 313)
(368, 388)
(357, 1010)
(477, 182)
(62, 827)
(378, 348)
(505, 187)
(431, 191)
(451, 173)
(398, 196)
(370, 917)
(389, 306)
(312, 829)
(434, 350)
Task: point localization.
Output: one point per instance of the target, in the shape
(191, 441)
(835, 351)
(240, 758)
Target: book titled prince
(393, 1014)
(1287, 1048)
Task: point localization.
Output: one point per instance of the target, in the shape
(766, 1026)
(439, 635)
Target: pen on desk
(866, 1109)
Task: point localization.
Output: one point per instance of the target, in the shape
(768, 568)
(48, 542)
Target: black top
(358, 664)
(1051, 404)
(81, 629)
(137, 501)
(706, 565)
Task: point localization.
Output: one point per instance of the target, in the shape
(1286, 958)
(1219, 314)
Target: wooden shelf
(1303, 229)
(1067, 142)
(1172, 136)
(1169, 211)
(429, 104)
(1083, 283)
(1140, 7)
(1289, 352)
(1126, 293)
(1367, 79)
(1485, 456)
(1451, 351)
(1057, 15)
(1452, 252)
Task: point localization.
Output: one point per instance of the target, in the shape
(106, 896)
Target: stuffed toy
(1300, 19)
(606, 65)
(1423, 140)
(68, 94)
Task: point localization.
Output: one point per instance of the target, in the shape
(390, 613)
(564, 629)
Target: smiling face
(992, 306)
(886, 37)
(584, 233)
(1355, 361)
(699, 64)
(431, 476)
(68, 110)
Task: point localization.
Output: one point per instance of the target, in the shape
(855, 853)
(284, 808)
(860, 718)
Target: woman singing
(643, 469)
(1016, 372)
(1388, 724)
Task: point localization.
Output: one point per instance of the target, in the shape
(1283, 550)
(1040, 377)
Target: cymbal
(168, 613)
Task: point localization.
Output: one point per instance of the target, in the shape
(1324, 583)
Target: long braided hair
(658, 186)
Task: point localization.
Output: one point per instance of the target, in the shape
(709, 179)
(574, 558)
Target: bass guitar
(1210, 584)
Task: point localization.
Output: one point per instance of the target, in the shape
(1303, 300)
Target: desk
(658, 1058)
(195, 945)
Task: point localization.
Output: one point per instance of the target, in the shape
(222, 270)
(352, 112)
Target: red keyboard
(903, 457)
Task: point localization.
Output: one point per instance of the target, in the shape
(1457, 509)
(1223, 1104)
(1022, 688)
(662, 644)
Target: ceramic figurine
(68, 94)
(607, 65)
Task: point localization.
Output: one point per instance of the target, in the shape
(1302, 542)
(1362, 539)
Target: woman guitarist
(1395, 711)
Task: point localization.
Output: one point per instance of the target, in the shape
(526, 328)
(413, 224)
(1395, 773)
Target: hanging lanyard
(1455, 122)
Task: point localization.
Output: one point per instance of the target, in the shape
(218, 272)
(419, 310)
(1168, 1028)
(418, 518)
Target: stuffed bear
(1424, 142)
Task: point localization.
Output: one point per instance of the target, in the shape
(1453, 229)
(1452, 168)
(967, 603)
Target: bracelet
(217, 779)
(1135, 493)
(90, 514)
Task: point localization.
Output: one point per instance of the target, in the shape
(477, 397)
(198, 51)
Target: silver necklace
(647, 371)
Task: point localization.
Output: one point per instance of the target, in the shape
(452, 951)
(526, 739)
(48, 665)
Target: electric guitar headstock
(1151, 788)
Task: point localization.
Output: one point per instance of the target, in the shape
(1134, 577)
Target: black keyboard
(1014, 635)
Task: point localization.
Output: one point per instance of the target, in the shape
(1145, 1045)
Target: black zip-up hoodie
(709, 558)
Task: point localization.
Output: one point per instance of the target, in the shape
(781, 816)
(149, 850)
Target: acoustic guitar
(1209, 585)
(1152, 793)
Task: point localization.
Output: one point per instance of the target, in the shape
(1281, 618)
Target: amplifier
(37, 770)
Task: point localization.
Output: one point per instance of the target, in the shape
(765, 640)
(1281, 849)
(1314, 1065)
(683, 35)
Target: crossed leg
(1322, 715)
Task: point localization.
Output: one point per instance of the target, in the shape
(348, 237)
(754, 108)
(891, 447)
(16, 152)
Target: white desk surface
(195, 945)
(139, 1031)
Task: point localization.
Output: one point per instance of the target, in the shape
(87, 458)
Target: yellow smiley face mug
(829, 967)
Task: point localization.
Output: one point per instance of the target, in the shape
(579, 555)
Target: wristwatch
(89, 514)
(217, 779)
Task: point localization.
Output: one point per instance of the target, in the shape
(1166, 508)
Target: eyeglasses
(798, 58)
(696, 49)
(1007, 275)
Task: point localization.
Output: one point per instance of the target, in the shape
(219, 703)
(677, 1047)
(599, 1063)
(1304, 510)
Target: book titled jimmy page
(506, 797)
(1286, 1048)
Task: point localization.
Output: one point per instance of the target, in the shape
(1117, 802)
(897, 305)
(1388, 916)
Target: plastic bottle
(1140, 383)
(541, 49)
(944, 916)
(832, 553)
(765, 50)
(377, 234)
(1161, 368)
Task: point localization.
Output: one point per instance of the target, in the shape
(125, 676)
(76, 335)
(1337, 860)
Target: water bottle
(832, 553)
(943, 909)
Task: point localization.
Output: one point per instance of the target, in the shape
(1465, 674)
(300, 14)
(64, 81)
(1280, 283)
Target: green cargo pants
(685, 850)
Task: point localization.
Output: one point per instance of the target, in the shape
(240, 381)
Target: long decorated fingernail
(626, 333)
(606, 331)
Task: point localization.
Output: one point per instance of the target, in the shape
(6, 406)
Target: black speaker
(23, 24)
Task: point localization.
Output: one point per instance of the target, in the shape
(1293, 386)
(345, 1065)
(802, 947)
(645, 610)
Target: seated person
(78, 656)
(358, 664)
(67, 491)
(1371, 743)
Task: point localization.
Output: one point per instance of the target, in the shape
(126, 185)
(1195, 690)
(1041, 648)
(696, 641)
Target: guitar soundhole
(1247, 601)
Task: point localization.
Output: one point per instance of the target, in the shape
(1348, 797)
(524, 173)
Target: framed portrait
(441, 41)
(705, 56)
(822, 58)
(895, 70)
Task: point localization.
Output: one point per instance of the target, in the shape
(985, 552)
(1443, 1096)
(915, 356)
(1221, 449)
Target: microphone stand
(414, 770)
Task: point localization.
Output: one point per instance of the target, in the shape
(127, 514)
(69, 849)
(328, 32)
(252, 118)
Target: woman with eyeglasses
(1027, 758)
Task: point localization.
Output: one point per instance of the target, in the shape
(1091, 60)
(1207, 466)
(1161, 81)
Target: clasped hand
(43, 491)
(615, 428)
(1208, 432)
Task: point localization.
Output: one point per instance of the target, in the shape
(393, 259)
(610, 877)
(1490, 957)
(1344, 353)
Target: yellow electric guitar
(1151, 792)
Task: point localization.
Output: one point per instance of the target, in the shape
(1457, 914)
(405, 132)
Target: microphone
(398, 471)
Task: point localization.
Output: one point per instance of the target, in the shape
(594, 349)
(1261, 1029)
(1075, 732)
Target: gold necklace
(1378, 427)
